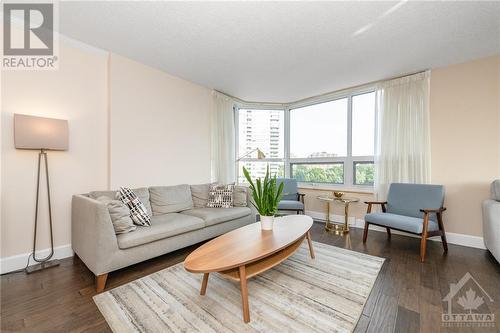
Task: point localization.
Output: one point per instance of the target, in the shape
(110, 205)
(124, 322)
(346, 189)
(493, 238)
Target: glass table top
(342, 199)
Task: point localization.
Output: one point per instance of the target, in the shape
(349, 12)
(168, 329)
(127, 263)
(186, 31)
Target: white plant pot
(266, 222)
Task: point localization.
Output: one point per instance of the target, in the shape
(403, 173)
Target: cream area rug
(326, 294)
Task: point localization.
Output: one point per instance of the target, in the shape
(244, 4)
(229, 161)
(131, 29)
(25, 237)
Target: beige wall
(77, 92)
(465, 143)
(160, 132)
(465, 127)
(129, 125)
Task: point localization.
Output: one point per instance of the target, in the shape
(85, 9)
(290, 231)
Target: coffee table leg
(204, 284)
(309, 241)
(244, 294)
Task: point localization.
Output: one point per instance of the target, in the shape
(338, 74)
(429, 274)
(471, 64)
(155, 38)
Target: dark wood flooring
(407, 296)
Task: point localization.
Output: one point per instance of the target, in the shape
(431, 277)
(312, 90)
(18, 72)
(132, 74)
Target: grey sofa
(491, 221)
(413, 208)
(179, 218)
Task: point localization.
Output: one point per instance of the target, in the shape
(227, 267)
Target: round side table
(338, 229)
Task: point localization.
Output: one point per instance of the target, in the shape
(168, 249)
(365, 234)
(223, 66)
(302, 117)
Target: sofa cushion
(213, 216)
(120, 215)
(200, 195)
(162, 226)
(240, 196)
(290, 204)
(142, 193)
(406, 223)
(495, 190)
(170, 199)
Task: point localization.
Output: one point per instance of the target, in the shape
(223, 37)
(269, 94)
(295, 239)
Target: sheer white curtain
(222, 140)
(403, 136)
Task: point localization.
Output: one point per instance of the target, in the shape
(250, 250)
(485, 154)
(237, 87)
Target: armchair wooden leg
(365, 233)
(423, 241)
(445, 244)
(443, 234)
(388, 232)
(100, 282)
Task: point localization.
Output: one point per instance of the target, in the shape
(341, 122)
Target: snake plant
(265, 194)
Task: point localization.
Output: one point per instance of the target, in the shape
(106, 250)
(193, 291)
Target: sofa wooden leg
(100, 282)
(365, 233)
(388, 232)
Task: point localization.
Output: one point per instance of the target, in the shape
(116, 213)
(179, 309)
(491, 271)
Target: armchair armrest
(370, 203)
(433, 210)
(300, 197)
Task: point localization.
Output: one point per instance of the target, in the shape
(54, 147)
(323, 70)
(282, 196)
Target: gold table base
(337, 228)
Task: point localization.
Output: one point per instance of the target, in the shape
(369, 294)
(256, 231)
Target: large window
(319, 130)
(264, 130)
(329, 143)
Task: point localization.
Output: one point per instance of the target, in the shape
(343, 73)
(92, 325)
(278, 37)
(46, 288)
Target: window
(332, 173)
(363, 124)
(319, 130)
(363, 173)
(330, 142)
(264, 130)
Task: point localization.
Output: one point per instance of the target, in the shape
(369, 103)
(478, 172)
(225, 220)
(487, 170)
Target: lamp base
(41, 266)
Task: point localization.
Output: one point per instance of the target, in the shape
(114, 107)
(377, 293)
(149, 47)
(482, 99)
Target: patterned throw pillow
(138, 211)
(220, 196)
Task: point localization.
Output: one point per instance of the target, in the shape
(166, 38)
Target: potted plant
(266, 196)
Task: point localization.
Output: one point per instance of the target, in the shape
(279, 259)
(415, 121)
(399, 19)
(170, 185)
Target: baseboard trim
(452, 238)
(13, 263)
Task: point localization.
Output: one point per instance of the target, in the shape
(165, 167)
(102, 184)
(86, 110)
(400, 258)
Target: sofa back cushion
(408, 199)
(495, 190)
(200, 195)
(170, 199)
(119, 213)
(240, 196)
(142, 193)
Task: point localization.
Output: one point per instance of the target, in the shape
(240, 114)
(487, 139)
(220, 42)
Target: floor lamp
(260, 154)
(38, 133)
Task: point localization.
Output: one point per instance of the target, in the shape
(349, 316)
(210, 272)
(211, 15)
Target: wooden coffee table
(248, 251)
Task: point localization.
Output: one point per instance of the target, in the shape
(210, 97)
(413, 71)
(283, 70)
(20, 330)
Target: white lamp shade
(31, 132)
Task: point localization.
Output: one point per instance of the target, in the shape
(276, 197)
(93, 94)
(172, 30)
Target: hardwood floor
(407, 296)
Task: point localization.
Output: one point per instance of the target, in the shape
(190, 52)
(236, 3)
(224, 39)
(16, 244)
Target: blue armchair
(413, 208)
(292, 200)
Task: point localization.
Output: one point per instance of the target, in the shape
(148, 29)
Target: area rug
(326, 294)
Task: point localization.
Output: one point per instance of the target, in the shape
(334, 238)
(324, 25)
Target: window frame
(354, 163)
(320, 163)
(348, 160)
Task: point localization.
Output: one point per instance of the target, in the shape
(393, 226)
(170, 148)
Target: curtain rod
(242, 101)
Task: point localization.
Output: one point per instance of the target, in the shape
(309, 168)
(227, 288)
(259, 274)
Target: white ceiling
(285, 51)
